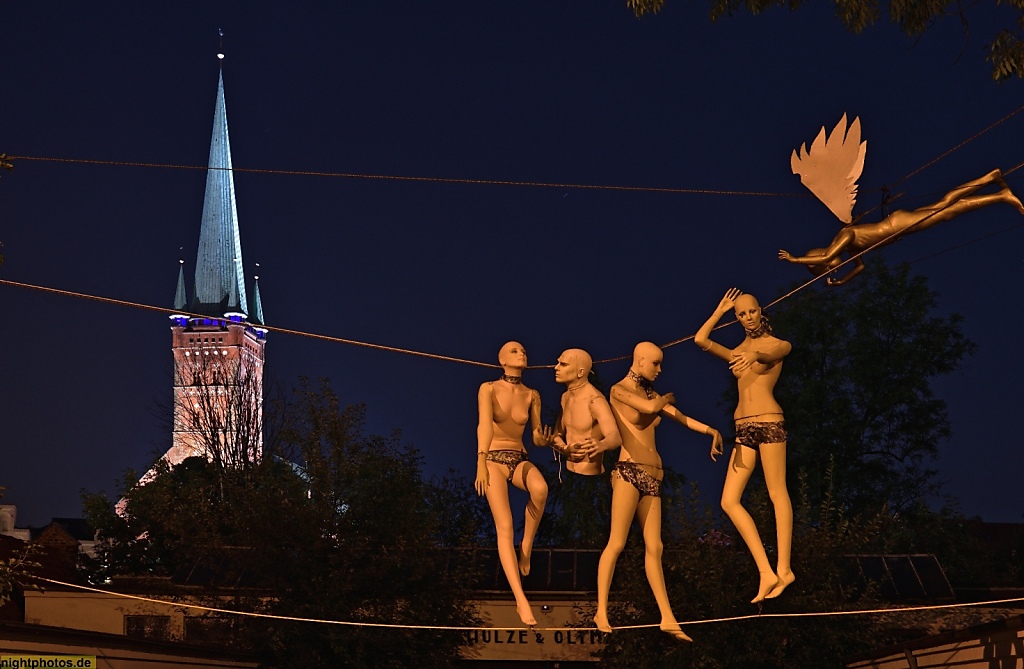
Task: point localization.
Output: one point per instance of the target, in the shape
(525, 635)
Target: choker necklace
(579, 385)
(514, 380)
(761, 330)
(644, 384)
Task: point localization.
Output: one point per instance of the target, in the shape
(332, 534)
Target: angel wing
(832, 166)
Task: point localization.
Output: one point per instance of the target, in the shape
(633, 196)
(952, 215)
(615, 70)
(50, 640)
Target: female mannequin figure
(760, 430)
(636, 479)
(505, 406)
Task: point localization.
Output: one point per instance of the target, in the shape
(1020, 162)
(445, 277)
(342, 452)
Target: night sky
(566, 92)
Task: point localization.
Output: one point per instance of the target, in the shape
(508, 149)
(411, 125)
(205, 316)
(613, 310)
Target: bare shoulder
(485, 388)
(619, 390)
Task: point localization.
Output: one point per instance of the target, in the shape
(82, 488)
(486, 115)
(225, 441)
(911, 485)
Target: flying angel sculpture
(830, 170)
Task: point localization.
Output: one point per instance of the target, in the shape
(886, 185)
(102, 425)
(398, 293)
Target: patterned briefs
(510, 459)
(636, 476)
(754, 434)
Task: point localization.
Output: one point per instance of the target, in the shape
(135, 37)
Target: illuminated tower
(217, 339)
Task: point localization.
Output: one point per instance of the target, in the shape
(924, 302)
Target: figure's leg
(961, 200)
(624, 500)
(741, 466)
(497, 499)
(773, 462)
(649, 514)
(529, 478)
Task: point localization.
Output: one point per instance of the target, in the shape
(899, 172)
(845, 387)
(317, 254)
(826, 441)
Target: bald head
(647, 359)
(573, 364)
(512, 354)
(646, 350)
(746, 301)
(580, 360)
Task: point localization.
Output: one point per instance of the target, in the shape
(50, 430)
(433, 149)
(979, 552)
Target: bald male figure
(586, 428)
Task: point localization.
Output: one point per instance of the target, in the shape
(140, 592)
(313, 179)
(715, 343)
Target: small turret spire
(180, 300)
(257, 303)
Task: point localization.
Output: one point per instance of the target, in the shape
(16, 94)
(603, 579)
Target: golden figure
(636, 479)
(586, 428)
(505, 406)
(831, 169)
(760, 432)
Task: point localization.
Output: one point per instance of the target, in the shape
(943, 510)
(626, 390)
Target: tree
(16, 566)
(914, 17)
(857, 387)
(345, 533)
(709, 575)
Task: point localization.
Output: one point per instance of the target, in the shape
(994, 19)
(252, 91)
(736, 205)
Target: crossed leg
(501, 511)
(527, 477)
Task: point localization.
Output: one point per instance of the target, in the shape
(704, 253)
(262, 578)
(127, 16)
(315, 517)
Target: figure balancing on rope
(830, 170)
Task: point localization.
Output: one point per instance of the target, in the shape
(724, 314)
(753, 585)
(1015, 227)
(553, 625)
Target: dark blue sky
(571, 92)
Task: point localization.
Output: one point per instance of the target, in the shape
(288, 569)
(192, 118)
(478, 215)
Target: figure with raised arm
(586, 427)
(830, 170)
(505, 406)
(636, 479)
(760, 432)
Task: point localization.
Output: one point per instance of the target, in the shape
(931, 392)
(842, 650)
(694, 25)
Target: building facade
(217, 336)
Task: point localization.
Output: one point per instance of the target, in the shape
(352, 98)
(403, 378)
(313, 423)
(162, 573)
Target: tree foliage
(14, 568)
(710, 575)
(345, 533)
(1005, 50)
(857, 387)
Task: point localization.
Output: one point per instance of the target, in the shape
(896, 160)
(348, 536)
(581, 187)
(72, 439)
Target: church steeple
(219, 346)
(220, 281)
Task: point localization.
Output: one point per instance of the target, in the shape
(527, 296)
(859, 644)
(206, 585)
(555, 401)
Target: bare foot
(785, 579)
(1013, 200)
(768, 581)
(672, 629)
(601, 620)
(526, 614)
(524, 560)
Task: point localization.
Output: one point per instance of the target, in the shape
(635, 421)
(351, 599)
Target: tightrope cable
(395, 177)
(457, 628)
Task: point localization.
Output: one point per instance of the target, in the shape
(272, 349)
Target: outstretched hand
(544, 436)
(716, 444)
(785, 255)
(664, 400)
(729, 301)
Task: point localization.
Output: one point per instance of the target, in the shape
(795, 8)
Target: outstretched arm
(697, 426)
(558, 442)
(703, 336)
(642, 404)
(841, 243)
(542, 434)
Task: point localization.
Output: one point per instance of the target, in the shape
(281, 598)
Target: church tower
(217, 338)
